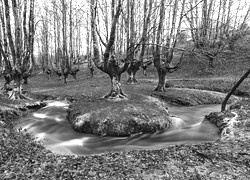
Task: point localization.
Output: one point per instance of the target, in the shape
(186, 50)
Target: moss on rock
(123, 118)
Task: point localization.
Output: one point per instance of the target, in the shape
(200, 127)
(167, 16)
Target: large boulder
(120, 118)
(192, 97)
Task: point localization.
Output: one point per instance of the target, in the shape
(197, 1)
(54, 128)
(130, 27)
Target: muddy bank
(192, 97)
(11, 110)
(223, 85)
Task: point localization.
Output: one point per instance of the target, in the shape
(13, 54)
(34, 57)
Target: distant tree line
(115, 36)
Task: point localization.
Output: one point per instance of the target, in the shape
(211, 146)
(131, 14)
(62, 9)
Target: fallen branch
(224, 103)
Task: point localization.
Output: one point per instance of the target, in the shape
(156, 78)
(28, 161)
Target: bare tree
(88, 39)
(213, 27)
(135, 64)
(72, 68)
(106, 63)
(65, 59)
(30, 64)
(163, 63)
(20, 45)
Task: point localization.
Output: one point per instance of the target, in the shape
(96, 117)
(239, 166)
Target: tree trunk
(91, 70)
(65, 74)
(157, 54)
(21, 45)
(8, 78)
(134, 66)
(73, 71)
(161, 80)
(116, 90)
(144, 66)
(106, 63)
(224, 103)
(65, 63)
(7, 71)
(16, 93)
(210, 62)
(16, 53)
(90, 66)
(144, 72)
(25, 80)
(132, 69)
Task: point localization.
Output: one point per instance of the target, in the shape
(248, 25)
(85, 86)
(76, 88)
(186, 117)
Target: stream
(50, 125)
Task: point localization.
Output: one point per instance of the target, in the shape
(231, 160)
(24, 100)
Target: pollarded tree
(21, 45)
(72, 68)
(29, 61)
(108, 63)
(163, 60)
(135, 64)
(145, 65)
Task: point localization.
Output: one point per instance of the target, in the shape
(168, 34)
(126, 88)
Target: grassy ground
(22, 158)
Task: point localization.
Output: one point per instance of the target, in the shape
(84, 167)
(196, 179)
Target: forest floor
(21, 157)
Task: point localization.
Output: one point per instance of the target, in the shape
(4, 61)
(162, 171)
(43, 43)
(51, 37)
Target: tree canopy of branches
(59, 46)
(214, 25)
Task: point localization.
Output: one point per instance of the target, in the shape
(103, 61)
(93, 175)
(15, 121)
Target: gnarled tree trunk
(163, 65)
(144, 67)
(161, 79)
(134, 66)
(108, 64)
(21, 45)
(115, 76)
(16, 93)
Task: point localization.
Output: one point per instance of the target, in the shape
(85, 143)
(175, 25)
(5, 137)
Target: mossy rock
(103, 117)
(192, 97)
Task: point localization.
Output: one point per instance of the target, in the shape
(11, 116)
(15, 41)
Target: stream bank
(51, 126)
(23, 158)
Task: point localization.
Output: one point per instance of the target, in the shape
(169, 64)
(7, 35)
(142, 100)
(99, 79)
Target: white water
(50, 125)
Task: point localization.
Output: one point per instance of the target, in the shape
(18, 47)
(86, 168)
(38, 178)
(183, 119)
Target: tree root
(113, 95)
(117, 97)
(228, 130)
(14, 95)
(160, 89)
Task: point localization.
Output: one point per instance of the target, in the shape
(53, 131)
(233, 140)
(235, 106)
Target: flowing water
(51, 126)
